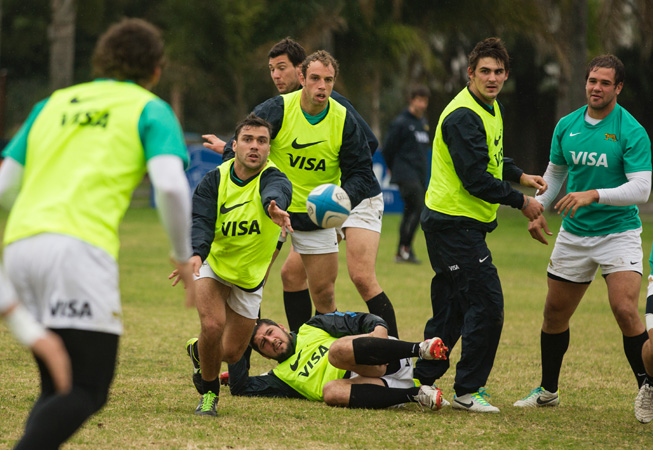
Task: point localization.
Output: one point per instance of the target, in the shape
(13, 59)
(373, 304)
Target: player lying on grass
(343, 359)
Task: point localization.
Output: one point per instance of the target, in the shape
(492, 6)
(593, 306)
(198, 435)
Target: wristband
(24, 327)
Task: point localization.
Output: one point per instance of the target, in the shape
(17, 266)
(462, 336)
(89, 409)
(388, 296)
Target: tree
(61, 34)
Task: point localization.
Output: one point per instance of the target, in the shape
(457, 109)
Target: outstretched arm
(280, 217)
(268, 385)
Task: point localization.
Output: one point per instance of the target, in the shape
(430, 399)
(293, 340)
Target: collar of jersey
(314, 120)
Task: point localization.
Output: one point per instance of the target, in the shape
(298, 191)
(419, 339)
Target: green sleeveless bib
(308, 154)
(84, 158)
(446, 193)
(245, 237)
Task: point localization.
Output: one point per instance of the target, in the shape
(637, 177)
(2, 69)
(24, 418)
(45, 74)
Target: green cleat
(208, 405)
(191, 349)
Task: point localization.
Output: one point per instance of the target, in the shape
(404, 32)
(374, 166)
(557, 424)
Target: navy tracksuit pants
(467, 302)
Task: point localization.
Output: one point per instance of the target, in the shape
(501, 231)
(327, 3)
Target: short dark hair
(260, 322)
(287, 46)
(252, 120)
(322, 56)
(491, 47)
(608, 61)
(419, 91)
(131, 49)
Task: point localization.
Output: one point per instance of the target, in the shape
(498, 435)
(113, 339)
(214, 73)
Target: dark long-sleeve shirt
(406, 148)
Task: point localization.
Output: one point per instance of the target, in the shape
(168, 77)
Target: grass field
(152, 400)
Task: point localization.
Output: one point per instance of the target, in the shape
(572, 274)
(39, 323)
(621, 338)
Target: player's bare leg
(322, 271)
(362, 249)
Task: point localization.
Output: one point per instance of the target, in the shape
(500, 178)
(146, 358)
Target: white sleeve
(635, 191)
(554, 176)
(11, 180)
(172, 195)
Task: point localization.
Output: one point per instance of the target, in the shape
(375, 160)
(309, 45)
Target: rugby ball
(328, 205)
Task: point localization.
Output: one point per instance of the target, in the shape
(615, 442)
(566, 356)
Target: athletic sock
(633, 349)
(648, 380)
(373, 351)
(299, 308)
(553, 348)
(374, 396)
(380, 305)
(213, 386)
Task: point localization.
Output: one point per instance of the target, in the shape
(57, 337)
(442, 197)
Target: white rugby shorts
(316, 242)
(577, 258)
(245, 303)
(368, 214)
(66, 282)
(402, 378)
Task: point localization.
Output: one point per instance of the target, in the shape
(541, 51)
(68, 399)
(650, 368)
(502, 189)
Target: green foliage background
(217, 54)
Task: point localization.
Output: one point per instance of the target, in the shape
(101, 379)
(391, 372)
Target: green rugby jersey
(446, 193)
(245, 237)
(599, 157)
(84, 152)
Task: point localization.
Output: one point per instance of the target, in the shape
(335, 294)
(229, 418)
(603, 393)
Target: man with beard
(342, 359)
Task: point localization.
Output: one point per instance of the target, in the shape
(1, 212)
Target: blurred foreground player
(73, 167)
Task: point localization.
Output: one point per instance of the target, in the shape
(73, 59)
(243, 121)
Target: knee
(337, 354)
(333, 395)
(232, 354)
(554, 315)
(360, 279)
(294, 278)
(211, 326)
(625, 312)
(627, 317)
(323, 291)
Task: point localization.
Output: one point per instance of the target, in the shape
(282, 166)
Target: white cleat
(430, 397)
(474, 402)
(644, 404)
(538, 397)
(433, 349)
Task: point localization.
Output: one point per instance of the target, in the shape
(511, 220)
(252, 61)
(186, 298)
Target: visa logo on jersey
(302, 162)
(71, 308)
(589, 159)
(86, 118)
(240, 228)
(315, 358)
